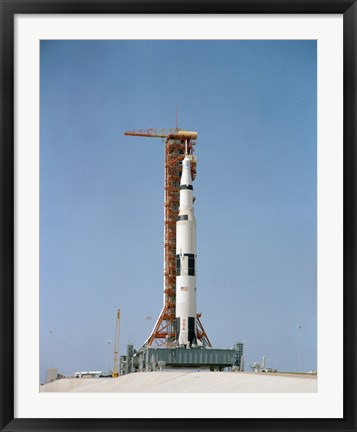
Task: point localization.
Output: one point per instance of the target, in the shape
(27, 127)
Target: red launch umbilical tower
(163, 333)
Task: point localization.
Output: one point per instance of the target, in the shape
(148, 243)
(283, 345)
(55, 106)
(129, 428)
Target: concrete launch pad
(189, 382)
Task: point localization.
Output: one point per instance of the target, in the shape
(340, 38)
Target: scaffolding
(163, 333)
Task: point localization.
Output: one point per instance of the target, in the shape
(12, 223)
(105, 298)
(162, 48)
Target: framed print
(240, 313)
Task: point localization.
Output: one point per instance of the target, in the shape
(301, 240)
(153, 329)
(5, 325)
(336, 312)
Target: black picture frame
(8, 10)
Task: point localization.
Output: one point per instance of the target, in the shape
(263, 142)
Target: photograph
(178, 216)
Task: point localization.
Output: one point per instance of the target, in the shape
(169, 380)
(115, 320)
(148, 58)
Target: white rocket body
(186, 261)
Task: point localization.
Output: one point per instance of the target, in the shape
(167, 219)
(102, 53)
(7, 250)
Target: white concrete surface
(189, 382)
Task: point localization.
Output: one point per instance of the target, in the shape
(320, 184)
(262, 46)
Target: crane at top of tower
(163, 133)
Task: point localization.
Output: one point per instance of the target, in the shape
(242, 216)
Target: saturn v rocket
(186, 334)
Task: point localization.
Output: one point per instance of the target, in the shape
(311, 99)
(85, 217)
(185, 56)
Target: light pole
(147, 318)
(50, 350)
(299, 327)
(108, 343)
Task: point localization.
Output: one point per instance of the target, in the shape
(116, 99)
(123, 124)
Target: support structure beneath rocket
(156, 359)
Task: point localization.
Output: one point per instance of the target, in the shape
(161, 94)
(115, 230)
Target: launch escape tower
(164, 332)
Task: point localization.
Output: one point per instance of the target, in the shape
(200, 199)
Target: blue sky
(253, 104)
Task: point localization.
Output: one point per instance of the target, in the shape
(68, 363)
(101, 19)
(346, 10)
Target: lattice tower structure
(116, 346)
(163, 333)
